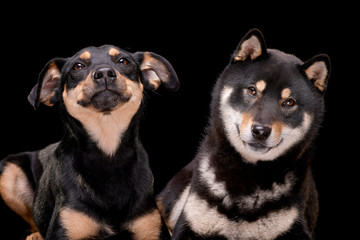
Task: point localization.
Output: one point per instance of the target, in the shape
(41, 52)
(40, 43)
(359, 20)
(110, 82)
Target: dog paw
(34, 236)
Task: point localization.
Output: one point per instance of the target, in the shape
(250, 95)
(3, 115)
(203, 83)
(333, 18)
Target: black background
(198, 41)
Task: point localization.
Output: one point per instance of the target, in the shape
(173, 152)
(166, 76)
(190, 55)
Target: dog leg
(34, 236)
(147, 227)
(17, 193)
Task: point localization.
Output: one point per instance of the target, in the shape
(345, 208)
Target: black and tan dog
(251, 177)
(96, 182)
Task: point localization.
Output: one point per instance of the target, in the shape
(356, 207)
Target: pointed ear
(317, 70)
(47, 88)
(156, 70)
(251, 46)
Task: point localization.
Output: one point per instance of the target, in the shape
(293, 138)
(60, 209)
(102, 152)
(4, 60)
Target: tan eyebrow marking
(260, 85)
(113, 52)
(285, 93)
(85, 55)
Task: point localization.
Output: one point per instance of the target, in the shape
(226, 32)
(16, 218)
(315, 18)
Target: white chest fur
(206, 220)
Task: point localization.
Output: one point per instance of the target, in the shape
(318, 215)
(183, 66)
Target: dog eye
(290, 102)
(252, 91)
(123, 61)
(78, 66)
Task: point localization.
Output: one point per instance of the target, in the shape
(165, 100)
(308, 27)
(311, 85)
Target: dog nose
(104, 75)
(260, 132)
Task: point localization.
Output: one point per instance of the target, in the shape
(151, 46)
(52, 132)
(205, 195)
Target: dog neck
(105, 129)
(107, 132)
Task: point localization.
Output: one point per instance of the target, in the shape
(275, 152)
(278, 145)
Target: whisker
(112, 117)
(102, 117)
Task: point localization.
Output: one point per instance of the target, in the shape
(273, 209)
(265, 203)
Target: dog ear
(47, 88)
(317, 70)
(156, 70)
(251, 46)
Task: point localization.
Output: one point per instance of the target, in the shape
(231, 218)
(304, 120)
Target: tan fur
(146, 227)
(34, 236)
(249, 48)
(17, 193)
(52, 75)
(285, 93)
(78, 225)
(149, 63)
(277, 128)
(84, 88)
(105, 130)
(113, 52)
(318, 72)
(261, 85)
(247, 122)
(85, 55)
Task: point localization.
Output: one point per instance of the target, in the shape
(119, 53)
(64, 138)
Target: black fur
(238, 188)
(111, 190)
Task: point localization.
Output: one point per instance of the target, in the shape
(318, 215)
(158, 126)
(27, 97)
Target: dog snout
(260, 132)
(104, 75)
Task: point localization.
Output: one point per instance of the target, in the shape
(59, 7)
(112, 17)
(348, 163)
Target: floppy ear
(156, 70)
(317, 70)
(47, 88)
(251, 46)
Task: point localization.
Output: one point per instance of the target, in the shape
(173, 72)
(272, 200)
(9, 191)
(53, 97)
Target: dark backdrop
(198, 42)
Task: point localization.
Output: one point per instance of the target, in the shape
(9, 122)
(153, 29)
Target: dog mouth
(257, 147)
(106, 100)
(260, 147)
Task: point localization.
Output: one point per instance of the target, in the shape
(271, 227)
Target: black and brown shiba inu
(251, 177)
(96, 182)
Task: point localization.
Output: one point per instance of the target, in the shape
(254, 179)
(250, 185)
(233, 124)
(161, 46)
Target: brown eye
(123, 61)
(290, 102)
(252, 91)
(78, 66)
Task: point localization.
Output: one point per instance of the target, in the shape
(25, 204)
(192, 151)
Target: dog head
(268, 101)
(102, 87)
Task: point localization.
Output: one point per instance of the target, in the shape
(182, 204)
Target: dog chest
(206, 220)
(230, 191)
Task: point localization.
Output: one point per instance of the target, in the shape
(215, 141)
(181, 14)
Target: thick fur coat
(251, 177)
